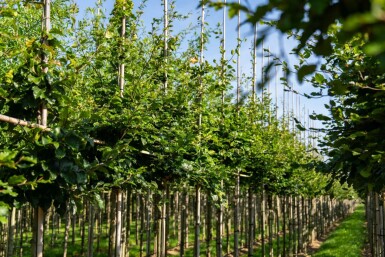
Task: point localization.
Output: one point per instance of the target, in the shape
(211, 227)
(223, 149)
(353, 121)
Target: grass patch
(348, 239)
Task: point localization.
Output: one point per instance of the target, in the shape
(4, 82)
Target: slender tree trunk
(137, 213)
(11, 232)
(219, 227)
(243, 219)
(98, 228)
(37, 242)
(123, 225)
(83, 226)
(142, 225)
(51, 216)
(197, 221)
(263, 221)
(73, 233)
(113, 226)
(163, 222)
(284, 215)
(236, 217)
(148, 223)
(167, 218)
(278, 216)
(90, 247)
(209, 235)
(270, 225)
(67, 229)
(176, 221)
(23, 222)
(183, 219)
(118, 231)
(157, 224)
(228, 226)
(251, 222)
(128, 222)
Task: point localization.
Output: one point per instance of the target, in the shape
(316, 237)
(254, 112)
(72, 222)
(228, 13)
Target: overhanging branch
(16, 121)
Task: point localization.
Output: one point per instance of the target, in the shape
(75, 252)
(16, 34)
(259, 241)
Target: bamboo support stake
(254, 78)
(165, 49)
(237, 186)
(239, 58)
(122, 65)
(263, 74)
(42, 118)
(200, 100)
(219, 225)
(276, 92)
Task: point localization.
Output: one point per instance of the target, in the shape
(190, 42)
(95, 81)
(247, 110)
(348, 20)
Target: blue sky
(275, 42)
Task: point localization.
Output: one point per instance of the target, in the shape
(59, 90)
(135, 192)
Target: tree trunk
(118, 230)
(142, 226)
(137, 213)
(67, 229)
(263, 221)
(236, 216)
(83, 227)
(73, 233)
(270, 224)
(37, 241)
(284, 215)
(219, 226)
(183, 219)
(11, 232)
(209, 217)
(128, 222)
(148, 224)
(251, 223)
(197, 221)
(163, 222)
(98, 228)
(23, 223)
(112, 232)
(90, 247)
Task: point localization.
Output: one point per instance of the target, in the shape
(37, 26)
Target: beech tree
(139, 121)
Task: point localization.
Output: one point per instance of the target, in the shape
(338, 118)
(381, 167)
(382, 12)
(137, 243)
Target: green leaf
(16, 180)
(366, 172)
(38, 93)
(34, 80)
(57, 31)
(108, 34)
(60, 153)
(7, 159)
(8, 12)
(305, 70)
(73, 141)
(4, 212)
(319, 78)
(46, 140)
(374, 48)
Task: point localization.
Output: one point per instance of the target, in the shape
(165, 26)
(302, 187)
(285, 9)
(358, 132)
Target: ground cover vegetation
(118, 141)
(350, 230)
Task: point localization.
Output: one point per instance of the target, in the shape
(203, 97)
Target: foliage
(311, 20)
(145, 136)
(354, 130)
